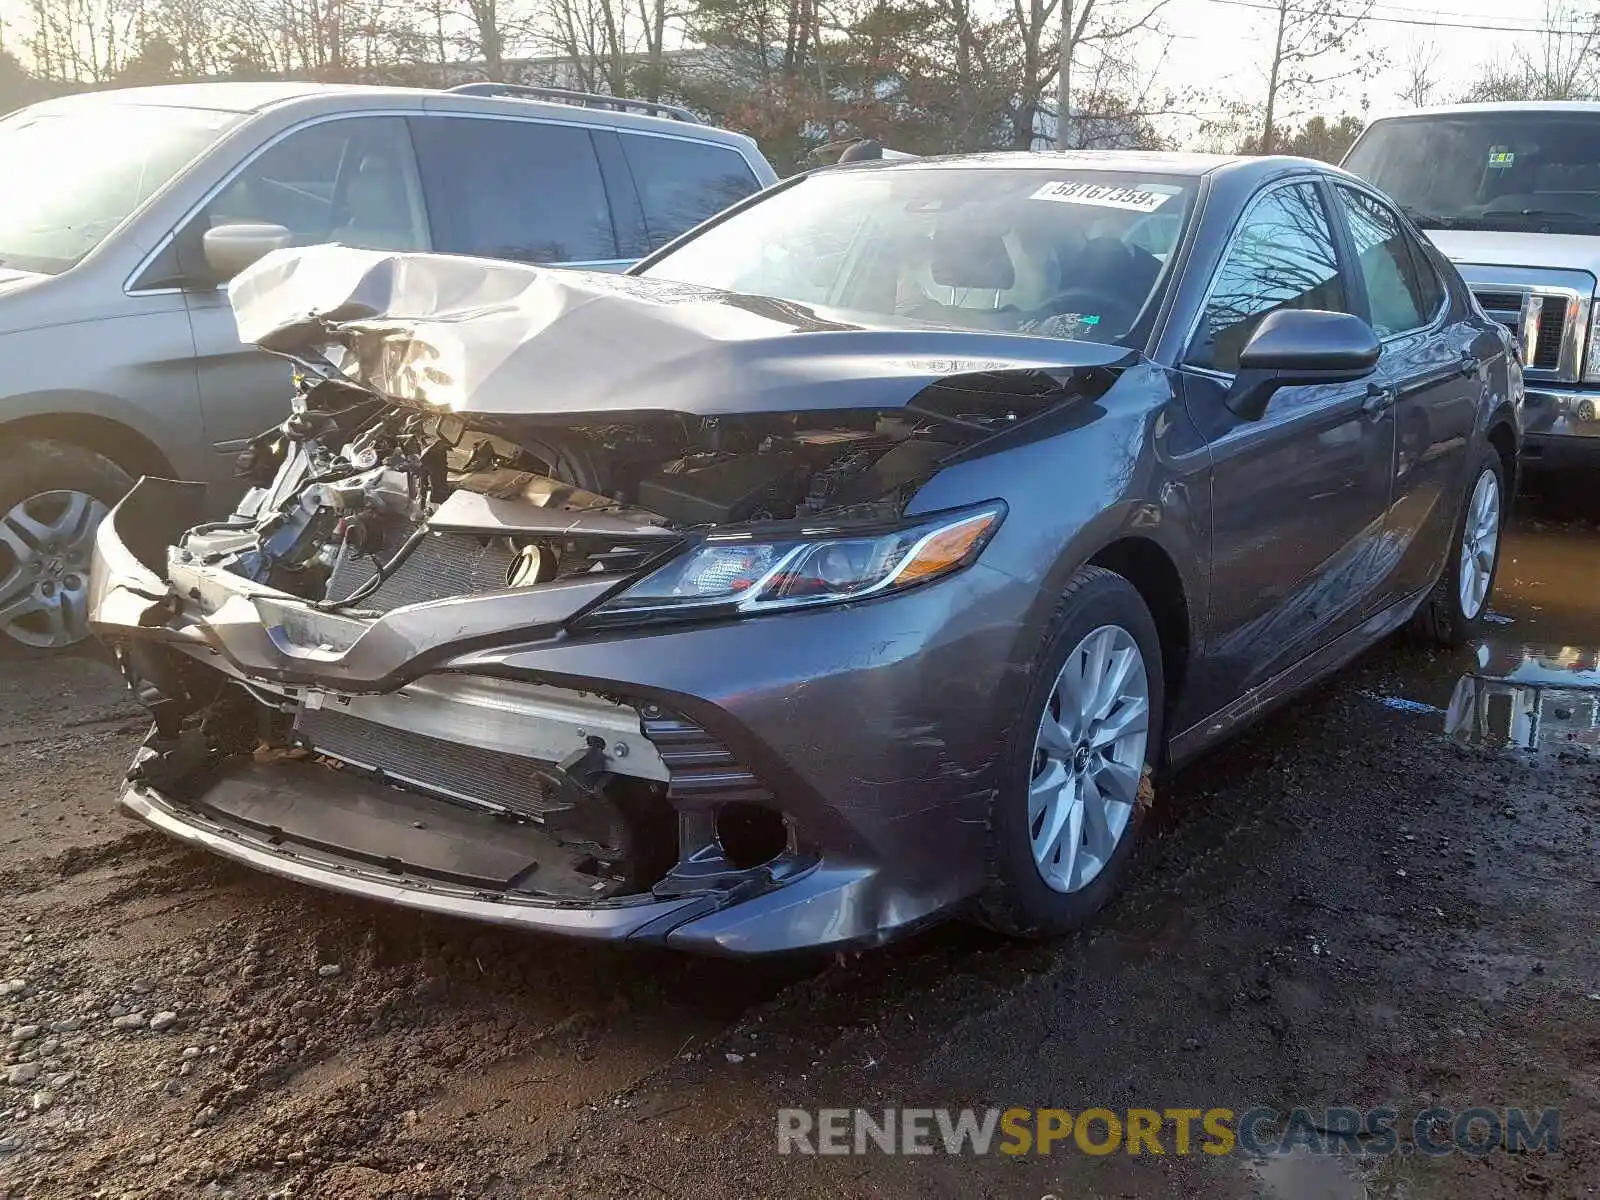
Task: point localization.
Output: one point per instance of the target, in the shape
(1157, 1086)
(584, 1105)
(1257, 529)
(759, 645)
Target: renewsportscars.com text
(1214, 1131)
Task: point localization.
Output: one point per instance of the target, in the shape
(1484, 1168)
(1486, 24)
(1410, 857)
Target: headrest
(968, 258)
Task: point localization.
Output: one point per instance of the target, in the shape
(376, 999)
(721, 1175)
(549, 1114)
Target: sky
(1221, 45)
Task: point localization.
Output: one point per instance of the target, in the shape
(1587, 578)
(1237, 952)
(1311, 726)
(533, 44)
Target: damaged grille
(703, 770)
(443, 768)
(442, 566)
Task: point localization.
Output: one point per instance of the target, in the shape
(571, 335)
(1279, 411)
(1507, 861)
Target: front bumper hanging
(453, 757)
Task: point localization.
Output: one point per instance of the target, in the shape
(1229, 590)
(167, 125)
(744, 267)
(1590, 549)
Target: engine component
(910, 461)
(718, 490)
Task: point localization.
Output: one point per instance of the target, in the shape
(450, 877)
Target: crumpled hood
(491, 338)
(1555, 251)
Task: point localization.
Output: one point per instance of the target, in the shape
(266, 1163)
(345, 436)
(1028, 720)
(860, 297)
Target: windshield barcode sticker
(1101, 195)
(1501, 159)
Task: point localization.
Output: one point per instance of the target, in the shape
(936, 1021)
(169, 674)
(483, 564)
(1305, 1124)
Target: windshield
(72, 176)
(1065, 254)
(1502, 171)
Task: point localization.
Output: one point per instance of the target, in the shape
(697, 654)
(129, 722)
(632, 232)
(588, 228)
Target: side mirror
(1298, 346)
(229, 249)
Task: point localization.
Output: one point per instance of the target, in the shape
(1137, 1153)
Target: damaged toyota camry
(864, 557)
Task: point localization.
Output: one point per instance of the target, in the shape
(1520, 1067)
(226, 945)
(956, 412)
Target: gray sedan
(863, 557)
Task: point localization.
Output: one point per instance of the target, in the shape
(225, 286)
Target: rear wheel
(1070, 808)
(1453, 612)
(53, 496)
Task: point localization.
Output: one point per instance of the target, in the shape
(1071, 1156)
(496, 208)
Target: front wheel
(1453, 612)
(53, 496)
(1071, 804)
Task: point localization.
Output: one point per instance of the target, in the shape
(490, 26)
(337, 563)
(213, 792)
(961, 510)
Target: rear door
(682, 182)
(1429, 371)
(1299, 497)
(520, 189)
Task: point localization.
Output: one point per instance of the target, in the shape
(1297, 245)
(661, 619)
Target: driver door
(1299, 497)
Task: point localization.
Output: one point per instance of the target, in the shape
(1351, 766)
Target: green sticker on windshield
(1091, 319)
(1501, 159)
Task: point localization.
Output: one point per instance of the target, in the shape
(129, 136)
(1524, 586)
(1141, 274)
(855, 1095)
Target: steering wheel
(1112, 310)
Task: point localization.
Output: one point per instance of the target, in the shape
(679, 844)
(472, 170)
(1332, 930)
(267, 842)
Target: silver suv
(126, 213)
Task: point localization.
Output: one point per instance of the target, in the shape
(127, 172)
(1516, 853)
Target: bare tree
(1560, 65)
(1093, 26)
(1419, 73)
(1313, 44)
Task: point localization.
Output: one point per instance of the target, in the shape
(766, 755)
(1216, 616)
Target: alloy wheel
(1088, 759)
(1480, 542)
(46, 543)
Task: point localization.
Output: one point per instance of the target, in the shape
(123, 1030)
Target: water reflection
(1529, 697)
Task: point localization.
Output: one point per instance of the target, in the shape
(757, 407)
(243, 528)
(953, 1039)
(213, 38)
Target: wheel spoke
(1117, 781)
(1109, 691)
(69, 523)
(28, 526)
(1098, 839)
(15, 534)
(22, 604)
(1072, 695)
(1046, 790)
(1056, 812)
(1054, 738)
(1132, 717)
(75, 612)
(1060, 856)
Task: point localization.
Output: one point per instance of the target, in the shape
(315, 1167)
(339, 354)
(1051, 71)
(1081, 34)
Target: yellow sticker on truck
(1146, 198)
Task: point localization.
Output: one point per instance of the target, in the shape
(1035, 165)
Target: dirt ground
(1344, 906)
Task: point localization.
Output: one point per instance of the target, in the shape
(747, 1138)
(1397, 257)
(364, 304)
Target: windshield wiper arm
(1428, 220)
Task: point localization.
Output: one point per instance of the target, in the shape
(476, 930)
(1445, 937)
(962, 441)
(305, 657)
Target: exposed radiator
(444, 768)
(442, 565)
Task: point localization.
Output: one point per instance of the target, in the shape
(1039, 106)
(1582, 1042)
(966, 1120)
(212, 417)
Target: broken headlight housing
(736, 573)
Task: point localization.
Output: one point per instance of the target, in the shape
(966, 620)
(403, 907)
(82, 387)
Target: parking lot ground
(1344, 906)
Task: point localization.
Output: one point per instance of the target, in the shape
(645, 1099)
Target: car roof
(1589, 107)
(1159, 162)
(252, 98)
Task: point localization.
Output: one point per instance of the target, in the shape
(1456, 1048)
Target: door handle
(1378, 401)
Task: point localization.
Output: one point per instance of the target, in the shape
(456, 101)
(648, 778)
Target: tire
(1017, 900)
(65, 490)
(1445, 617)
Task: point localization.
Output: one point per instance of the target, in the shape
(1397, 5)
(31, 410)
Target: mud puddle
(1522, 697)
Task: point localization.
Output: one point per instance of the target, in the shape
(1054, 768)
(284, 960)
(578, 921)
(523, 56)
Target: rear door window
(1395, 292)
(1428, 278)
(682, 183)
(528, 191)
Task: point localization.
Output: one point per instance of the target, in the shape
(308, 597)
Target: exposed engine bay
(346, 491)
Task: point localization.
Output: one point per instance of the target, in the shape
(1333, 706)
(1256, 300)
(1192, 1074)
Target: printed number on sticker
(1103, 196)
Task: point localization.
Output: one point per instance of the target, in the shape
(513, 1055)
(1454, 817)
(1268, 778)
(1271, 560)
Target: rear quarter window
(682, 183)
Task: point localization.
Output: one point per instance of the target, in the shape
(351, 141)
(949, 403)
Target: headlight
(731, 574)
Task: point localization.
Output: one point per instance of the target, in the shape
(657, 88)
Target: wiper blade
(1557, 214)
